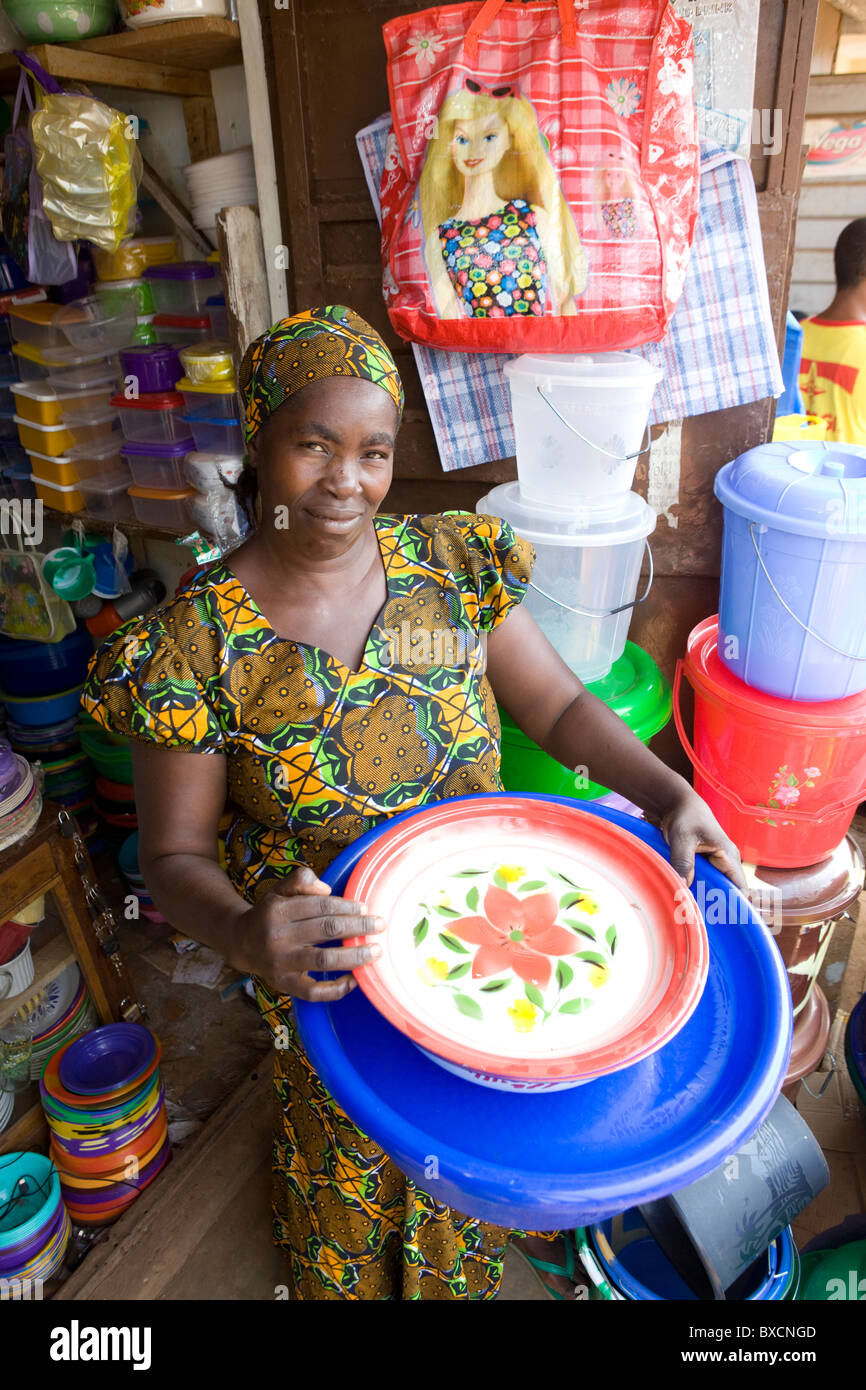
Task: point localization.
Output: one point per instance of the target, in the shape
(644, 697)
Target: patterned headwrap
(318, 343)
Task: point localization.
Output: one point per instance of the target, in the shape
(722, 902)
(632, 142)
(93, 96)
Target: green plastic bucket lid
(70, 574)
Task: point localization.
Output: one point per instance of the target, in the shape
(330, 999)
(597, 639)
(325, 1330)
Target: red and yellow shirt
(833, 376)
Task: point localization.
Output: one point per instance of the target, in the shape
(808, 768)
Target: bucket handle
(816, 1095)
(790, 611)
(601, 612)
(747, 808)
(620, 458)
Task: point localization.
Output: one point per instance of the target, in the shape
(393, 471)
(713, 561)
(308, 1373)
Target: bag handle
(23, 91)
(45, 80)
(746, 808)
(490, 9)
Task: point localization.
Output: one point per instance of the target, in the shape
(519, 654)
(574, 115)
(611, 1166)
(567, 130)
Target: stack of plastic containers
(779, 680)
(580, 423)
(120, 278)
(212, 413)
(180, 291)
(156, 438)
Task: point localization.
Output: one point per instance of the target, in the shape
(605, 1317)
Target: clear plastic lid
(85, 378)
(107, 483)
(635, 519)
(587, 369)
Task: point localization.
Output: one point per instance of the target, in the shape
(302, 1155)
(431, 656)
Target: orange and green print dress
(317, 754)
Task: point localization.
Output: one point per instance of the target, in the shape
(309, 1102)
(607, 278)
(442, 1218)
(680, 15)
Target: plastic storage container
(29, 362)
(63, 470)
(782, 777)
(799, 428)
(579, 424)
(35, 324)
(182, 287)
(62, 498)
(154, 368)
(794, 569)
(583, 588)
(161, 506)
(158, 464)
(181, 328)
(95, 325)
(106, 495)
(212, 400)
(36, 402)
(83, 392)
(99, 426)
(634, 688)
(120, 293)
(98, 455)
(151, 418)
(50, 440)
(208, 361)
(219, 322)
(221, 436)
(133, 256)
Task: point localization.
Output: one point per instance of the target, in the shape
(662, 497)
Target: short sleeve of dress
(499, 563)
(141, 683)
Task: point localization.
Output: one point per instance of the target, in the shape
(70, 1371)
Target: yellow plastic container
(34, 324)
(62, 498)
(36, 403)
(208, 361)
(134, 256)
(50, 440)
(31, 362)
(70, 470)
(799, 427)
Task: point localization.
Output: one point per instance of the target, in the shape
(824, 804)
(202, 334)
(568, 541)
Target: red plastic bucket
(782, 777)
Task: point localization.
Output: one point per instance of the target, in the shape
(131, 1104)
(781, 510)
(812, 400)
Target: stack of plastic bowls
(34, 1223)
(105, 1107)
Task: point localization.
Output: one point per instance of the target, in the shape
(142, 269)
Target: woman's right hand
(284, 936)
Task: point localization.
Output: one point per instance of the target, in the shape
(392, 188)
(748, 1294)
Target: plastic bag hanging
(88, 161)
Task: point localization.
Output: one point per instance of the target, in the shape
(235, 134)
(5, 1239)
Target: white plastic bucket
(584, 585)
(579, 425)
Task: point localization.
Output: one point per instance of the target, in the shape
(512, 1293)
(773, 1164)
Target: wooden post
(242, 256)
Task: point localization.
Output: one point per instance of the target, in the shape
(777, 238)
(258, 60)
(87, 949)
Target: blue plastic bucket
(794, 569)
(642, 1272)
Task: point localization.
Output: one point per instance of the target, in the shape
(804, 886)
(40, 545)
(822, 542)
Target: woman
(276, 677)
(500, 240)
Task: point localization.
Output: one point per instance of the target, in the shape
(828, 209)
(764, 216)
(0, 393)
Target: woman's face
(478, 145)
(324, 462)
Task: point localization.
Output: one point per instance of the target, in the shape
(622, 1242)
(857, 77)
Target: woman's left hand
(690, 828)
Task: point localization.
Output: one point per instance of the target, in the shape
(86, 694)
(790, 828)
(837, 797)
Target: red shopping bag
(540, 189)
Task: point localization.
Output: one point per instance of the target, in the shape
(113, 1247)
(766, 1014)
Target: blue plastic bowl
(43, 709)
(35, 1207)
(44, 668)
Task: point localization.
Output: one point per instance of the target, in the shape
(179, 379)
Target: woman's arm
(180, 798)
(550, 704)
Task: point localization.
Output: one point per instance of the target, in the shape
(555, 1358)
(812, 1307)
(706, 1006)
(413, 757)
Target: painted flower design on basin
(529, 941)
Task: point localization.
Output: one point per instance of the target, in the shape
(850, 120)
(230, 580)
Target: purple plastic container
(181, 270)
(158, 465)
(156, 368)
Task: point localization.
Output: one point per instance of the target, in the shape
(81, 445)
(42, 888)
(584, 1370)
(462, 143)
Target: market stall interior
(594, 992)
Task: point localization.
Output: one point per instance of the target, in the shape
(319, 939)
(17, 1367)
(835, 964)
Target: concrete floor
(212, 1037)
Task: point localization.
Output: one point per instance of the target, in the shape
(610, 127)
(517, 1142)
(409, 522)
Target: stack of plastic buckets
(779, 680)
(580, 423)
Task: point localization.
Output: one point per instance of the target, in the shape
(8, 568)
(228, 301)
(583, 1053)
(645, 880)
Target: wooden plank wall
(326, 68)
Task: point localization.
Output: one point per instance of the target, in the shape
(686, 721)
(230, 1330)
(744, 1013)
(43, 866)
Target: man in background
(833, 362)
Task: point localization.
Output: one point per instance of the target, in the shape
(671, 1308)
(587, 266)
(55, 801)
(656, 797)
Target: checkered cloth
(720, 350)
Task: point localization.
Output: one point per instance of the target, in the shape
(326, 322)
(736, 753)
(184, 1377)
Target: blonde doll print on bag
(499, 237)
(617, 199)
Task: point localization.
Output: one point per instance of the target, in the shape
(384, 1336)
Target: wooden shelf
(48, 962)
(174, 58)
(130, 528)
